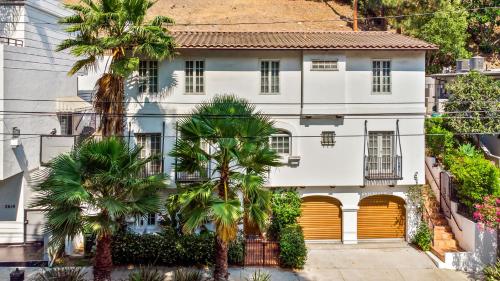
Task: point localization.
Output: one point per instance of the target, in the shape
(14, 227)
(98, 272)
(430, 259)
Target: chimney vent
(476, 63)
(462, 65)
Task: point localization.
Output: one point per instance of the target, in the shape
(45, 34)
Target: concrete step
(441, 252)
(443, 234)
(445, 243)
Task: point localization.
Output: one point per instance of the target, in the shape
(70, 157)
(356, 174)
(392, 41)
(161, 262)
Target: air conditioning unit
(476, 63)
(462, 65)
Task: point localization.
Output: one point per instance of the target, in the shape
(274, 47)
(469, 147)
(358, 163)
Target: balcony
(186, 177)
(53, 145)
(383, 167)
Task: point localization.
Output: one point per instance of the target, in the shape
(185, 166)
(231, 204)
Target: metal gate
(444, 198)
(34, 221)
(260, 252)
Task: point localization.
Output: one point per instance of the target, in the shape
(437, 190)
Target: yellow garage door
(321, 218)
(381, 216)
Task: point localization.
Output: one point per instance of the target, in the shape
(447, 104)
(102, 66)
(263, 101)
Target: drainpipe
(163, 147)
(301, 82)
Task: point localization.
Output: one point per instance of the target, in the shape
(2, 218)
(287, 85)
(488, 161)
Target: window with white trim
(327, 65)
(151, 145)
(147, 220)
(381, 150)
(66, 122)
(281, 142)
(381, 75)
(195, 80)
(269, 77)
(148, 76)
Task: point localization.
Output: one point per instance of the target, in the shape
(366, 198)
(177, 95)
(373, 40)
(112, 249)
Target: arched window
(281, 142)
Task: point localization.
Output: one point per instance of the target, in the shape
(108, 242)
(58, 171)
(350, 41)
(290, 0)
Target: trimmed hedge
(293, 251)
(165, 248)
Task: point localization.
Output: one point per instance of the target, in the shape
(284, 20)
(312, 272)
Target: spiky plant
(146, 274)
(183, 274)
(116, 28)
(60, 274)
(238, 137)
(94, 188)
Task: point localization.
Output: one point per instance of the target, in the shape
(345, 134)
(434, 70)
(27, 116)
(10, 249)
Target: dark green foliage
(423, 237)
(236, 253)
(169, 249)
(492, 272)
(146, 274)
(183, 274)
(285, 205)
(439, 140)
(60, 274)
(293, 251)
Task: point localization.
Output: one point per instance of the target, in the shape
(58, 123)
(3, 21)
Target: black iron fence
(261, 252)
(383, 167)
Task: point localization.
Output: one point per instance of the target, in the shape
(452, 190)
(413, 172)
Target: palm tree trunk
(109, 104)
(220, 270)
(103, 262)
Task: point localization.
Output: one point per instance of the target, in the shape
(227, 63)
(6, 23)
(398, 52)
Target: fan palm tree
(95, 187)
(116, 28)
(239, 152)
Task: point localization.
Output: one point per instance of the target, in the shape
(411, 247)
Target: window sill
(381, 94)
(270, 94)
(194, 94)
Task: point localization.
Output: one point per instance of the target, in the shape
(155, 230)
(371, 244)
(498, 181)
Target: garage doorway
(321, 218)
(381, 217)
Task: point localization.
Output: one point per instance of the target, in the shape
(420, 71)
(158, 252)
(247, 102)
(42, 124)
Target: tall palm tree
(116, 28)
(240, 155)
(95, 187)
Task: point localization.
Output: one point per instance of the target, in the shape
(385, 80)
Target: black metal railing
(11, 41)
(187, 177)
(383, 167)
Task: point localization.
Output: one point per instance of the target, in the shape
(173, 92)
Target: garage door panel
(321, 218)
(381, 216)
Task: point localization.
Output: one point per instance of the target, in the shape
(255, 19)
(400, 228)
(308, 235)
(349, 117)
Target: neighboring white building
(33, 80)
(350, 107)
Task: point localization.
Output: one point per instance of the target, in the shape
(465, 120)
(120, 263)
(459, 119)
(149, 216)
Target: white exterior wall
(34, 71)
(320, 168)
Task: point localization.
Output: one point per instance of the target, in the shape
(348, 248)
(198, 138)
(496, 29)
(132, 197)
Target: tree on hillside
(240, 156)
(482, 23)
(116, 28)
(94, 187)
(474, 104)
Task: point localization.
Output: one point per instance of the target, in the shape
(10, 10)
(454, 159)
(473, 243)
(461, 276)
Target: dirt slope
(271, 15)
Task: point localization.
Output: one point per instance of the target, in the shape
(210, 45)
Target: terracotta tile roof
(343, 40)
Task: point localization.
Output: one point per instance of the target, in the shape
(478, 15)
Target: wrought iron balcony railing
(383, 168)
(186, 177)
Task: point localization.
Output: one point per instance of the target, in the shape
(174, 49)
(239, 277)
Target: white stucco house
(350, 108)
(37, 97)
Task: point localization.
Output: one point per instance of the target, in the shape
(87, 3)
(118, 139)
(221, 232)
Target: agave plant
(60, 274)
(183, 274)
(146, 274)
(259, 276)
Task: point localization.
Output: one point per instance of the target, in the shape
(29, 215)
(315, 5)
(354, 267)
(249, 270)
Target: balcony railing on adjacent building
(383, 167)
(186, 177)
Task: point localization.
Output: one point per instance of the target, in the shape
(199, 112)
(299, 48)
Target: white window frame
(195, 78)
(325, 63)
(280, 150)
(269, 77)
(387, 161)
(144, 221)
(66, 124)
(153, 167)
(381, 77)
(150, 71)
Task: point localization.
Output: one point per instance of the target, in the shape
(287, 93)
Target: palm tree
(116, 28)
(95, 187)
(240, 155)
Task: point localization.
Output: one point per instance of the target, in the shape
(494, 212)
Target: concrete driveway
(374, 261)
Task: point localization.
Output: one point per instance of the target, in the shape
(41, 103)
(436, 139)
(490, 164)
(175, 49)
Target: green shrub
(423, 237)
(146, 274)
(293, 252)
(285, 206)
(439, 140)
(492, 272)
(60, 274)
(166, 248)
(477, 177)
(236, 251)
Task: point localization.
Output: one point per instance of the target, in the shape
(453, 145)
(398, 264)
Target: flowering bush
(487, 214)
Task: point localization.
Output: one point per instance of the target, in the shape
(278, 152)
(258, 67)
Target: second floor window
(66, 122)
(148, 77)
(269, 77)
(151, 145)
(381, 75)
(280, 142)
(195, 80)
(380, 150)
